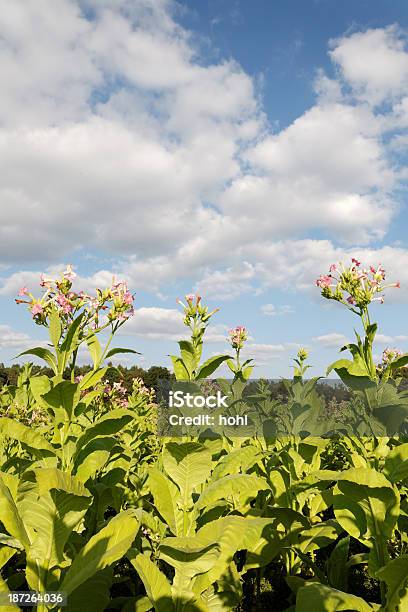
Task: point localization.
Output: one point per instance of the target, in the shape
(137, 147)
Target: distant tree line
(150, 377)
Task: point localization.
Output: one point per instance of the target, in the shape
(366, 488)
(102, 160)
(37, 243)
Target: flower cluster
(354, 286)
(389, 355)
(194, 311)
(237, 337)
(115, 393)
(115, 302)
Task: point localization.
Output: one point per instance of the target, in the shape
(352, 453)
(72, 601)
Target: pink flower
(351, 300)
(23, 291)
(63, 302)
(128, 298)
(37, 309)
(190, 297)
(324, 281)
(69, 273)
(46, 281)
(333, 268)
(355, 261)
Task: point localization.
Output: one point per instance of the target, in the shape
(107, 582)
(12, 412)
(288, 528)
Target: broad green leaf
(98, 587)
(165, 495)
(95, 349)
(92, 378)
(180, 370)
(239, 460)
(71, 339)
(109, 424)
(188, 356)
(26, 435)
(367, 507)
(5, 590)
(337, 564)
(237, 488)
(109, 545)
(211, 365)
(53, 517)
(5, 555)
(395, 575)
(315, 597)
(55, 328)
(64, 396)
(39, 385)
(188, 464)
(396, 463)
(52, 478)
(10, 516)
(157, 587)
(44, 354)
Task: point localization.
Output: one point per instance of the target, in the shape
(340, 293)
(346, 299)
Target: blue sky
(231, 148)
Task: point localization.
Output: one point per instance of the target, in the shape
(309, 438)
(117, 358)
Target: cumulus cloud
(374, 62)
(331, 340)
(10, 338)
(133, 145)
(270, 310)
(167, 324)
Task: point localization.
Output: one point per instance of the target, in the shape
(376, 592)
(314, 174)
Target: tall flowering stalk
(356, 288)
(76, 317)
(301, 366)
(196, 318)
(237, 338)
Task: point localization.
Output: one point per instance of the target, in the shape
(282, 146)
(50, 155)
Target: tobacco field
(309, 513)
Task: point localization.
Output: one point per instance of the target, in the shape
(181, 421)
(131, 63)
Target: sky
(230, 148)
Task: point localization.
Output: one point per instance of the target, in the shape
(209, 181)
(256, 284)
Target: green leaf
(165, 495)
(157, 587)
(106, 547)
(116, 351)
(95, 349)
(212, 364)
(395, 575)
(238, 489)
(396, 463)
(55, 328)
(60, 507)
(188, 356)
(109, 424)
(6, 553)
(71, 339)
(10, 516)
(180, 370)
(44, 354)
(64, 396)
(399, 363)
(98, 586)
(337, 564)
(315, 597)
(188, 464)
(5, 590)
(26, 435)
(92, 378)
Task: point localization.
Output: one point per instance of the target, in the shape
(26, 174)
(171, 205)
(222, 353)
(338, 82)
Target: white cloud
(167, 324)
(271, 310)
(227, 284)
(126, 123)
(331, 340)
(374, 63)
(10, 338)
(132, 144)
(390, 340)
